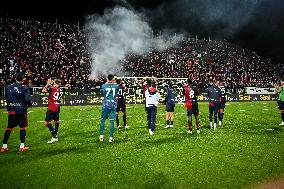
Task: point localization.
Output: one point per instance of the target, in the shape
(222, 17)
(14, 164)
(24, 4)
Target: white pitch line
(44, 121)
(129, 116)
(242, 110)
(265, 109)
(77, 119)
(179, 113)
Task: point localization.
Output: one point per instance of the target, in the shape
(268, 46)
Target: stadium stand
(42, 50)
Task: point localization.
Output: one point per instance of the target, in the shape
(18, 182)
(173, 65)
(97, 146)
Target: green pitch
(246, 151)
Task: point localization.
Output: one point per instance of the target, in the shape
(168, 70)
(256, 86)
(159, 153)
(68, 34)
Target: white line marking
(77, 119)
(265, 109)
(242, 110)
(44, 121)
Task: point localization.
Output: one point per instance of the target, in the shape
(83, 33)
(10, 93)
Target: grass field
(246, 151)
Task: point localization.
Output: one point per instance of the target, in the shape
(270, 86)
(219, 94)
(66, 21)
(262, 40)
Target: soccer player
(222, 104)
(53, 108)
(109, 91)
(152, 99)
(18, 100)
(214, 95)
(121, 105)
(280, 91)
(170, 106)
(191, 93)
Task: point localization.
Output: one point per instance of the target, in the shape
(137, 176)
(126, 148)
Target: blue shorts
(170, 107)
(15, 120)
(193, 111)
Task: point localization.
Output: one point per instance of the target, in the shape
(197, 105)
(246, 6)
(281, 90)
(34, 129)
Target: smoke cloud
(118, 32)
(220, 19)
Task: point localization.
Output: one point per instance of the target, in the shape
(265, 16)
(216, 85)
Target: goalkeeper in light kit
(109, 91)
(280, 91)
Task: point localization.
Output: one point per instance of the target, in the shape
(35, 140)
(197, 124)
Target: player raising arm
(53, 108)
(152, 99)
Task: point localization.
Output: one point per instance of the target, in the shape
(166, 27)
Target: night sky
(253, 24)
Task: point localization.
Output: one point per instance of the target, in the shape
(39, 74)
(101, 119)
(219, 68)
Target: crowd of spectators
(42, 50)
(45, 50)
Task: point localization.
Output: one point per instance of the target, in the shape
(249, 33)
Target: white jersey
(152, 99)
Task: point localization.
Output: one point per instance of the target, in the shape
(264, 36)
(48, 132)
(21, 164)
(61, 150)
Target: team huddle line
(18, 100)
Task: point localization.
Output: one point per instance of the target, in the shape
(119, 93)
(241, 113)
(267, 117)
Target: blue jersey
(170, 96)
(109, 91)
(18, 98)
(214, 94)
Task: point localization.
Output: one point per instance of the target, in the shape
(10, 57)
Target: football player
(191, 92)
(121, 104)
(222, 104)
(152, 99)
(18, 100)
(109, 91)
(280, 91)
(53, 108)
(214, 96)
(170, 106)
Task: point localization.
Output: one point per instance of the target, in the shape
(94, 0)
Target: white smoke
(118, 32)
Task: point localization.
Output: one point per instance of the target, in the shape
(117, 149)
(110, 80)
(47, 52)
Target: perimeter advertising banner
(134, 96)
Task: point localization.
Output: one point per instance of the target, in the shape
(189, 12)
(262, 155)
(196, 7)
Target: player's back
(55, 94)
(190, 94)
(170, 97)
(223, 91)
(120, 94)
(214, 93)
(18, 98)
(109, 91)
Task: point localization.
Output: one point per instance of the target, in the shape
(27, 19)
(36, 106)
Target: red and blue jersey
(55, 94)
(191, 95)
